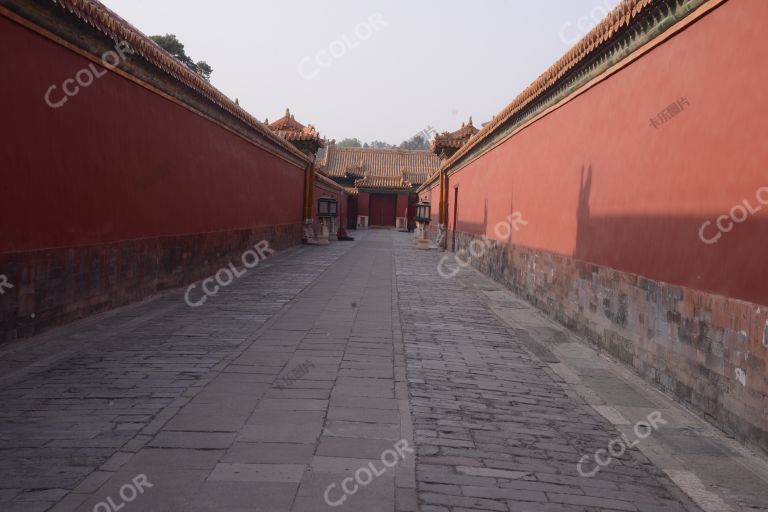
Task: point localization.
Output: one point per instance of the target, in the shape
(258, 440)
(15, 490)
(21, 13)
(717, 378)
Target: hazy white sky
(376, 70)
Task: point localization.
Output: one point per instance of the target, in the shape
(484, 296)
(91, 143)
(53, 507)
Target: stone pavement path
(496, 428)
(76, 402)
(288, 391)
(288, 381)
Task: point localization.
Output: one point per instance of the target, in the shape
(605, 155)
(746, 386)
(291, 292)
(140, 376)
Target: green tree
(377, 144)
(415, 142)
(350, 143)
(172, 45)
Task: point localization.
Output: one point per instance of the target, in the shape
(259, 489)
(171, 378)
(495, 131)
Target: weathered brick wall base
(57, 286)
(707, 350)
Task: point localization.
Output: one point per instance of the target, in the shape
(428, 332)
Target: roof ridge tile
(102, 18)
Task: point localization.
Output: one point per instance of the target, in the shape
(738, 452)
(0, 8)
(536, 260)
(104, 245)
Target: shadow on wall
(649, 291)
(502, 231)
(52, 287)
(676, 250)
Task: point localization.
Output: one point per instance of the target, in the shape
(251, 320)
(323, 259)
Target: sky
(375, 70)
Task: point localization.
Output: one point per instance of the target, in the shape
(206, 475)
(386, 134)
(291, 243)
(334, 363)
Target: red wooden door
(382, 209)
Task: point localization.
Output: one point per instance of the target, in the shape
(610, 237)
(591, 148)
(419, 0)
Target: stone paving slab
(295, 389)
(75, 396)
(495, 427)
(245, 433)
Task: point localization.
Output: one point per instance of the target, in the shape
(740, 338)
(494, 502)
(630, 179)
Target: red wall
(119, 162)
(594, 180)
(120, 192)
(614, 208)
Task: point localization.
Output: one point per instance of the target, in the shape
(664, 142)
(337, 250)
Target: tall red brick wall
(120, 191)
(615, 208)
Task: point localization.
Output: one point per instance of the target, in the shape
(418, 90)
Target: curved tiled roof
(325, 180)
(383, 182)
(454, 139)
(304, 135)
(102, 18)
(287, 122)
(621, 16)
(292, 130)
(411, 165)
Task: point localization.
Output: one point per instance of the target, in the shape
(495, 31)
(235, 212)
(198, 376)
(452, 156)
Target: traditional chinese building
(305, 138)
(447, 143)
(308, 141)
(381, 182)
(444, 145)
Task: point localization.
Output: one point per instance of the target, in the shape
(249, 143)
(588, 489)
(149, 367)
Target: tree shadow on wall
(583, 225)
(669, 247)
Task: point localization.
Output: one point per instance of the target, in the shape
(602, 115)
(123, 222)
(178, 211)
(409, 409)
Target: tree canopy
(377, 144)
(415, 142)
(350, 143)
(172, 45)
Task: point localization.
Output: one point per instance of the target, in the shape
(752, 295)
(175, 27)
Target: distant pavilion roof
(292, 130)
(447, 142)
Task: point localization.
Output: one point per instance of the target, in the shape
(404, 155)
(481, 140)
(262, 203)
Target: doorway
(382, 209)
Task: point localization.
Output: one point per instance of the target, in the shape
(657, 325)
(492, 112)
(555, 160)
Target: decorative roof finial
(470, 120)
(287, 112)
